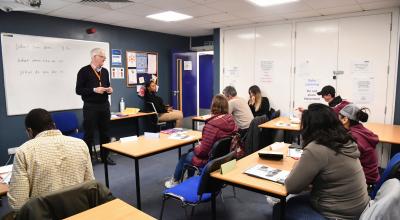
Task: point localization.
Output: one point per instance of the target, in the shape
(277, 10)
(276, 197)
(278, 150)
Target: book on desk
(268, 173)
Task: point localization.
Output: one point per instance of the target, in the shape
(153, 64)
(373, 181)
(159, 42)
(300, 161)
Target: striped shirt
(48, 162)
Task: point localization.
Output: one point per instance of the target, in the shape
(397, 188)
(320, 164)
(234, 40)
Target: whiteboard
(259, 56)
(40, 72)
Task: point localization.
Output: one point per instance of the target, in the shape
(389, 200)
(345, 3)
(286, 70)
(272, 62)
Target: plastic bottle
(122, 105)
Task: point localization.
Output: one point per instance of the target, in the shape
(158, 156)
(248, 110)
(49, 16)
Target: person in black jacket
(166, 112)
(259, 105)
(93, 85)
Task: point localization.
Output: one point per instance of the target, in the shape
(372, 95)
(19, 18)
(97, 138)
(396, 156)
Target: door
(316, 46)
(364, 44)
(206, 80)
(184, 83)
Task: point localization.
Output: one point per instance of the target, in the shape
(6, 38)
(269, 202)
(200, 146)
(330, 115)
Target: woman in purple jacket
(350, 116)
(220, 125)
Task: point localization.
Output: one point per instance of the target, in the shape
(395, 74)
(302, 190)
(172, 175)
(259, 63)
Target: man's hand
(100, 90)
(109, 90)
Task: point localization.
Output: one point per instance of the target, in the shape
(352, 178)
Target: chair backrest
(221, 147)
(66, 202)
(392, 171)
(150, 106)
(208, 184)
(66, 122)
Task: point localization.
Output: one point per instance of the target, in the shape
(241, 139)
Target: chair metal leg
(162, 207)
(234, 191)
(192, 213)
(213, 206)
(186, 214)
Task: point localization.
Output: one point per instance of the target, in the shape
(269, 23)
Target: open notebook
(268, 173)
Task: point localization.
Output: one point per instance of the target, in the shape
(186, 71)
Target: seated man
(335, 102)
(48, 162)
(239, 108)
(166, 112)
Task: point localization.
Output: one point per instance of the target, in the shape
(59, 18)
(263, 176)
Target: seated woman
(166, 112)
(220, 125)
(350, 116)
(329, 164)
(259, 105)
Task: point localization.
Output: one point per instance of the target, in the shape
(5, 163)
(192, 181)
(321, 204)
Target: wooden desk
(285, 124)
(202, 118)
(238, 178)
(113, 210)
(386, 133)
(145, 147)
(134, 116)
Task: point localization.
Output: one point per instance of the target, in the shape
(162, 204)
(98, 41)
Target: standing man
(240, 110)
(93, 85)
(335, 102)
(48, 162)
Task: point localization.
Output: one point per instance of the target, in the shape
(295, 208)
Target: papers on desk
(295, 153)
(283, 124)
(268, 173)
(127, 139)
(180, 136)
(5, 173)
(206, 116)
(277, 146)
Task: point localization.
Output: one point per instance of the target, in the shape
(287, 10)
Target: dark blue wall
(12, 132)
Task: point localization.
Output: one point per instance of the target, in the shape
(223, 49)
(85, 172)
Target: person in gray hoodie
(330, 167)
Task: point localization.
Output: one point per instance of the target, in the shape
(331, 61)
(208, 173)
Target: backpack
(237, 146)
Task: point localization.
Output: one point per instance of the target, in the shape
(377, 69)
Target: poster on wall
(132, 76)
(152, 63)
(361, 67)
(304, 69)
(231, 74)
(117, 72)
(311, 87)
(116, 57)
(266, 73)
(141, 62)
(131, 59)
(363, 90)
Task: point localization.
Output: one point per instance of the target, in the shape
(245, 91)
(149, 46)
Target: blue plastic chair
(392, 171)
(67, 123)
(198, 189)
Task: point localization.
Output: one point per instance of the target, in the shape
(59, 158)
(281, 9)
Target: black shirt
(264, 108)
(156, 100)
(87, 80)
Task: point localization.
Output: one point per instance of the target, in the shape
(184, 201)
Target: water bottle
(122, 105)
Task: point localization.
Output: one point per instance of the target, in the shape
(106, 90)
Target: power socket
(12, 150)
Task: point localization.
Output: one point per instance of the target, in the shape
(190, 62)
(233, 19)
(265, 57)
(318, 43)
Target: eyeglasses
(104, 57)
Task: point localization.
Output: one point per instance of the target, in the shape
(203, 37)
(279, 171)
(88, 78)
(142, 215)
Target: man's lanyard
(98, 75)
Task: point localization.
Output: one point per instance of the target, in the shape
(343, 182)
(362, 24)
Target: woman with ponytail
(351, 116)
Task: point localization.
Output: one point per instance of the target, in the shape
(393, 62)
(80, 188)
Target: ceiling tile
(380, 4)
(301, 14)
(218, 17)
(288, 8)
(340, 10)
(170, 4)
(109, 17)
(139, 9)
(231, 5)
(51, 5)
(267, 18)
(317, 4)
(236, 22)
(203, 1)
(198, 11)
(77, 11)
(367, 1)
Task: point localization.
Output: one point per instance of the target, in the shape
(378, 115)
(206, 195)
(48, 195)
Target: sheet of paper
(117, 72)
(141, 80)
(187, 65)
(228, 166)
(141, 62)
(131, 59)
(132, 76)
(152, 64)
(116, 57)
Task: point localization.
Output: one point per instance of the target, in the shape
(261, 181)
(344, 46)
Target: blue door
(206, 76)
(184, 82)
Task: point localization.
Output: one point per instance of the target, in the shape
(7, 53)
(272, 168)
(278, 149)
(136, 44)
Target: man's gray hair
(229, 91)
(97, 51)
